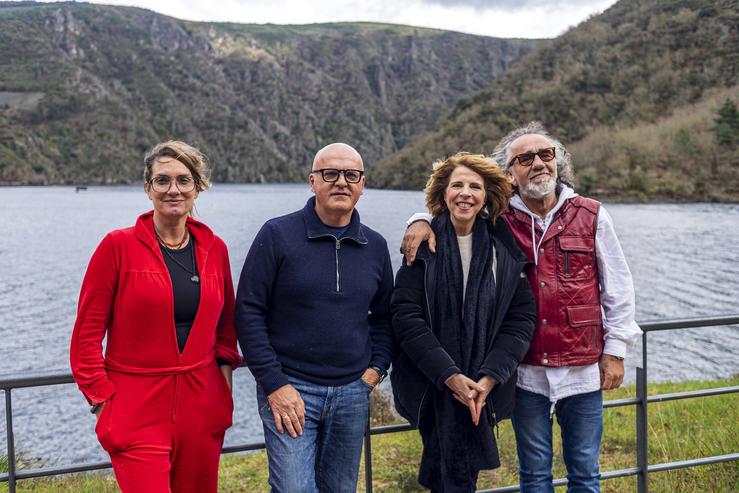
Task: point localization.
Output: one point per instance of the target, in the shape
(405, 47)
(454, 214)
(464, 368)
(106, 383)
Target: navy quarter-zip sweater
(312, 306)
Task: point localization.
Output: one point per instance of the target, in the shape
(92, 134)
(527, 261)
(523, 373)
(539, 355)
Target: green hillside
(86, 89)
(633, 91)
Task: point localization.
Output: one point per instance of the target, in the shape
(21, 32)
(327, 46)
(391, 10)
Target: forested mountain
(635, 92)
(86, 89)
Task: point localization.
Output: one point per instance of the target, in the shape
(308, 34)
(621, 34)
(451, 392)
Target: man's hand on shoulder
(288, 410)
(611, 372)
(417, 233)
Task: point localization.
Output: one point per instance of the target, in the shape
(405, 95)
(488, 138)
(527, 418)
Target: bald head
(335, 194)
(338, 152)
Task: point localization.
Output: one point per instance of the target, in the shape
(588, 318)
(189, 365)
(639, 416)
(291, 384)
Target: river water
(684, 258)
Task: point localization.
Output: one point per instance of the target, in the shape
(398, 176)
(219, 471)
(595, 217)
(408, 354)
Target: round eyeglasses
(163, 183)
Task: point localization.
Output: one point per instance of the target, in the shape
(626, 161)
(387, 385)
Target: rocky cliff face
(85, 90)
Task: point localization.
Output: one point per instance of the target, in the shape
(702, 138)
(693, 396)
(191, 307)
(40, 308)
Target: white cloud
(502, 18)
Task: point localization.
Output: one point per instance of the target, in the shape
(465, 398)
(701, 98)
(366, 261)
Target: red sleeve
(225, 331)
(93, 320)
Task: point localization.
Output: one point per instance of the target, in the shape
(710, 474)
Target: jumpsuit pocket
(227, 406)
(227, 395)
(104, 428)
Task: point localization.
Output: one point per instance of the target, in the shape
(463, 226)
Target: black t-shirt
(182, 267)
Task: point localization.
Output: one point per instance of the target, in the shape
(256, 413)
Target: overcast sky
(501, 18)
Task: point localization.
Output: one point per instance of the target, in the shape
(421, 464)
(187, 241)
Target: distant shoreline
(607, 197)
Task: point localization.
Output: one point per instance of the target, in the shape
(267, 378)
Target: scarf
(455, 449)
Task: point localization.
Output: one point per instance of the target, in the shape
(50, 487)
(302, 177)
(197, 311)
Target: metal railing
(641, 401)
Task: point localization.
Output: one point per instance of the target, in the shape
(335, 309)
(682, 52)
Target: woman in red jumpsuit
(161, 292)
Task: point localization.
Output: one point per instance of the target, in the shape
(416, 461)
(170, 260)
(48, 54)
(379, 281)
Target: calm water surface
(684, 258)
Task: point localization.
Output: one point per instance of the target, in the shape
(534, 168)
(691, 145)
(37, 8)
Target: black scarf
(454, 448)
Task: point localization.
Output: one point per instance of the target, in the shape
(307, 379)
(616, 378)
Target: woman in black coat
(463, 318)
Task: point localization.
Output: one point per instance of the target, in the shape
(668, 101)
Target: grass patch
(678, 430)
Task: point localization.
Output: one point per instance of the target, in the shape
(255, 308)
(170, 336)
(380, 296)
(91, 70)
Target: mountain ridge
(86, 89)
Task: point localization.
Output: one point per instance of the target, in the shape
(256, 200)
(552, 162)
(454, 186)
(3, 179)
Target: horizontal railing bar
(54, 471)
(35, 380)
(41, 379)
(629, 401)
(502, 489)
(514, 487)
(247, 447)
(382, 430)
(688, 323)
(620, 473)
(631, 471)
(693, 393)
(716, 459)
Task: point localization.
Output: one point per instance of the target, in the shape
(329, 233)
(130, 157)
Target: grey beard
(538, 191)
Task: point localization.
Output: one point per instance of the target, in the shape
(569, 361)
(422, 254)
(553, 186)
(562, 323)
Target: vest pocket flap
(576, 244)
(584, 315)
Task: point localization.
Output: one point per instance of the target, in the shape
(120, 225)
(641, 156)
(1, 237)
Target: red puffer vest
(569, 325)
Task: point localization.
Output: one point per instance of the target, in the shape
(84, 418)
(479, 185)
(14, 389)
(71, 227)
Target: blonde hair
(188, 155)
(498, 187)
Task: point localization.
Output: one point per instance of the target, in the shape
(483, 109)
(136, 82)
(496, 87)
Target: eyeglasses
(162, 183)
(331, 175)
(527, 158)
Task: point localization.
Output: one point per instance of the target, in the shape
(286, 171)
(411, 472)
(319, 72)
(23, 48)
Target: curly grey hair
(502, 152)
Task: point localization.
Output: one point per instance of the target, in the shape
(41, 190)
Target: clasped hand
(470, 393)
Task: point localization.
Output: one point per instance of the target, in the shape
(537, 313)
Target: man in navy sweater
(312, 318)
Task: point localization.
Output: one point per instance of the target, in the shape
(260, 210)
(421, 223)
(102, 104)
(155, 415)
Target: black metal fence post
(642, 444)
(368, 455)
(11, 442)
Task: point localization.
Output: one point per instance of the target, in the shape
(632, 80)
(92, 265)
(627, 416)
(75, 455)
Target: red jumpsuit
(165, 412)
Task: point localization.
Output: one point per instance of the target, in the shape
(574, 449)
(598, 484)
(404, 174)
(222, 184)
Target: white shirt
(616, 298)
(465, 252)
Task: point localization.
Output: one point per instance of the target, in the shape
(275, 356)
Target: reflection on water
(684, 260)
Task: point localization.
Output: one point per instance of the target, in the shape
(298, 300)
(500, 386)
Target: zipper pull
(495, 425)
(338, 244)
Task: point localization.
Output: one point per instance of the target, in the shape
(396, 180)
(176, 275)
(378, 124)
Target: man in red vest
(585, 309)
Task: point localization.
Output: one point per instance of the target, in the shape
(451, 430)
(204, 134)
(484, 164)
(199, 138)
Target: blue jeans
(326, 457)
(580, 418)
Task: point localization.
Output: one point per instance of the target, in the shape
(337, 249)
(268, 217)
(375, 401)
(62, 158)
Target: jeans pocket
(366, 385)
(262, 402)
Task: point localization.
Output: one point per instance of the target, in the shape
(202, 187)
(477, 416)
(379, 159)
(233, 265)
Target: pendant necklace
(193, 272)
